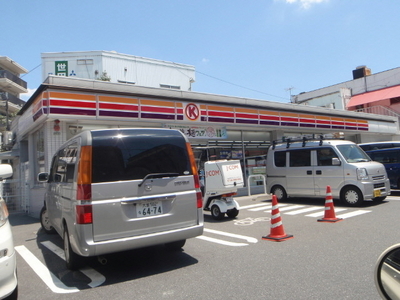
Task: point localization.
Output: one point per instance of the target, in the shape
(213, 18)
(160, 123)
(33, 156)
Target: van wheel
(175, 246)
(352, 196)
(73, 260)
(216, 212)
(232, 213)
(45, 222)
(279, 192)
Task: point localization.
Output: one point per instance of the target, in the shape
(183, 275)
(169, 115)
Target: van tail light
(84, 214)
(228, 195)
(196, 179)
(84, 180)
(199, 196)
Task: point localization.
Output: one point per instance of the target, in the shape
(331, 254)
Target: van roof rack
(304, 140)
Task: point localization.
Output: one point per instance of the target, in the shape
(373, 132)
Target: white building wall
(357, 86)
(120, 68)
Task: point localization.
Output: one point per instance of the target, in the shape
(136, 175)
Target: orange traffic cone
(330, 215)
(277, 233)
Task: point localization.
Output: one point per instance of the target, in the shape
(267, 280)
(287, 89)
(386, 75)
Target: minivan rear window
(120, 155)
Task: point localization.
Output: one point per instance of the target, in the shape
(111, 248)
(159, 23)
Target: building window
(394, 100)
(172, 87)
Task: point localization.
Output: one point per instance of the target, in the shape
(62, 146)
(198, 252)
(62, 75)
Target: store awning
(378, 95)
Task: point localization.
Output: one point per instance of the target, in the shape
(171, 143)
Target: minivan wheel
(73, 260)
(279, 192)
(216, 212)
(352, 196)
(45, 222)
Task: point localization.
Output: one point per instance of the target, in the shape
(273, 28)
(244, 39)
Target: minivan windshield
(353, 153)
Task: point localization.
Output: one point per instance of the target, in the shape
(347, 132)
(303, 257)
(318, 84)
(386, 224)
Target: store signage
(198, 132)
(61, 68)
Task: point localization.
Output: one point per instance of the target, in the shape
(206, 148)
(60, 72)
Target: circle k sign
(192, 112)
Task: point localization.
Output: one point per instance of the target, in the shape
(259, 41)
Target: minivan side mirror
(43, 177)
(387, 273)
(336, 161)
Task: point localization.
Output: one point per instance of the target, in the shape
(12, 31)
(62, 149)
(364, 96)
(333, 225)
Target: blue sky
(261, 49)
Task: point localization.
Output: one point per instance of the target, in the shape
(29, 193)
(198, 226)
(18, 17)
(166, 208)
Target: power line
(243, 87)
(31, 70)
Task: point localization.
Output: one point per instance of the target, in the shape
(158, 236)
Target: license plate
(377, 193)
(147, 209)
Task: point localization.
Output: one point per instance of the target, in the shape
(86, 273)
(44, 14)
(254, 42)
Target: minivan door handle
(318, 172)
(309, 172)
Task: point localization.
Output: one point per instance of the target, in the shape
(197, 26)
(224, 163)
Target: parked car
(119, 189)
(8, 262)
(390, 158)
(379, 145)
(306, 168)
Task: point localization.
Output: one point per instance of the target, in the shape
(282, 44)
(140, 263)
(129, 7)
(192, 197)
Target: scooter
(221, 179)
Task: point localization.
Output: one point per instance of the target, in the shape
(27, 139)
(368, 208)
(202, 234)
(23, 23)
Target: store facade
(228, 127)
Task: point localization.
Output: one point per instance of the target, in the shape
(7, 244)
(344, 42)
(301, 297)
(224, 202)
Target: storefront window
(247, 146)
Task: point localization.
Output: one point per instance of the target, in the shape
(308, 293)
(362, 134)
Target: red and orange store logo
(192, 112)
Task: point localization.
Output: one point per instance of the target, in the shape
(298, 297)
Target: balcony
(12, 83)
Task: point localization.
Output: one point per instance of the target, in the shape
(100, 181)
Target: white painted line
(353, 214)
(261, 208)
(206, 238)
(247, 238)
(319, 214)
(252, 205)
(44, 273)
(304, 210)
(267, 207)
(290, 207)
(96, 277)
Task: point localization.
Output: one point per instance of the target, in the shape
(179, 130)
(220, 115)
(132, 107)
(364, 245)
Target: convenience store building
(240, 128)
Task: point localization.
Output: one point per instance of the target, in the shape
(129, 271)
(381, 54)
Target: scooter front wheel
(216, 212)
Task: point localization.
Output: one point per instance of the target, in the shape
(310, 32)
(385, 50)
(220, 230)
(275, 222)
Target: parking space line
(304, 210)
(44, 273)
(247, 238)
(95, 277)
(321, 213)
(222, 242)
(267, 207)
(353, 213)
(253, 205)
(290, 207)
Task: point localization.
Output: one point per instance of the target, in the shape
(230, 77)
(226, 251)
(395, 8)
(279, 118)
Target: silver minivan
(305, 169)
(119, 189)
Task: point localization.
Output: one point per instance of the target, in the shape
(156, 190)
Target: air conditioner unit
(7, 137)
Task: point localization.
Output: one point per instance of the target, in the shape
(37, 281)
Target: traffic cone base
(277, 239)
(330, 220)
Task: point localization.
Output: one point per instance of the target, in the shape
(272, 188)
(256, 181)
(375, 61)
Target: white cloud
(306, 4)
(205, 60)
(27, 95)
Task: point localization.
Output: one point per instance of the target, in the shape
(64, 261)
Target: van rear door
(142, 183)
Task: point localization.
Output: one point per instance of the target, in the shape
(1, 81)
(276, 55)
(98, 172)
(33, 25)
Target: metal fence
(16, 197)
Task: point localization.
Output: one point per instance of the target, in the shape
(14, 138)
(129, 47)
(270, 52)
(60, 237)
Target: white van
(120, 189)
(306, 168)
